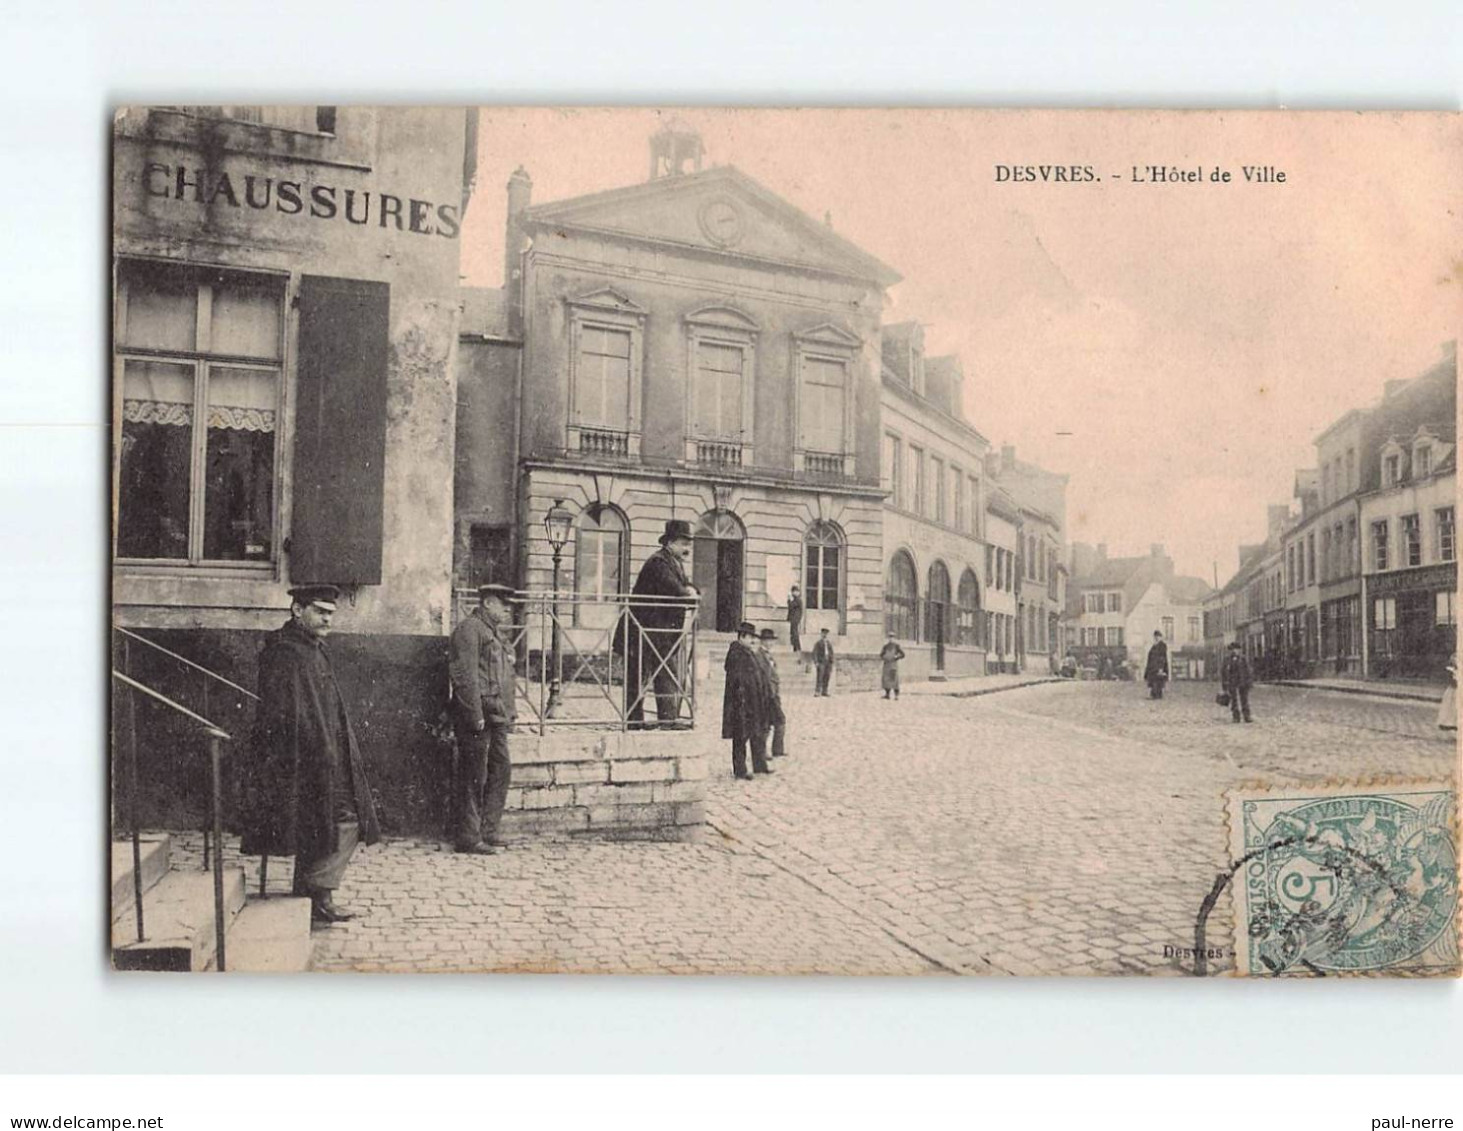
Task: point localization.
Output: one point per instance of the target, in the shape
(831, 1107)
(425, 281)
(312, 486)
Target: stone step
(270, 936)
(178, 918)
(156, 855)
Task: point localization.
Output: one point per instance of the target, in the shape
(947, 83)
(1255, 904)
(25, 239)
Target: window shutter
(340, 432)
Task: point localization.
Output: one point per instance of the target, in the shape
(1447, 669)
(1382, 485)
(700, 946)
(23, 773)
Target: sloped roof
(641, 211)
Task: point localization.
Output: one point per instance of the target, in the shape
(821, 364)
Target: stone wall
(614, 785)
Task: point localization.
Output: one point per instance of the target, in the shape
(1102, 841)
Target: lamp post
(557, 524)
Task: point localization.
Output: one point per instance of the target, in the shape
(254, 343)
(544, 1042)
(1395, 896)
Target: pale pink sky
(1174, 348)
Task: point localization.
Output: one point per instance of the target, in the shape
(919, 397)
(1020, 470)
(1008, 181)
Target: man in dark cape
(304, 789)
(747, 707)
(1155, 672)
(649, 636)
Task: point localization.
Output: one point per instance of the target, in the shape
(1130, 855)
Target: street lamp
(558, 522)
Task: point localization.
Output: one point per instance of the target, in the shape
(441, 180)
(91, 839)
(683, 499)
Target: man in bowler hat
(480, 661)
(746, 705)
(649, 636)
(779, 716)
(304, 791)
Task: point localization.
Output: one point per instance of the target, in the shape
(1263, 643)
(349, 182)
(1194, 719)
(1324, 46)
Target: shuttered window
(340, 432)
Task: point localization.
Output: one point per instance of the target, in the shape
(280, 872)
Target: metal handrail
(216, 737)
(185, 660)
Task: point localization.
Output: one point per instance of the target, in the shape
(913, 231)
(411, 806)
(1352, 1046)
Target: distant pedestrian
(823, 662)
(305, 792)
(779, 716)
(795, 620)
(1448, 708)
(890, 655)
(1236, 679)
(746, 705)
(480, 662)
(1155, 672)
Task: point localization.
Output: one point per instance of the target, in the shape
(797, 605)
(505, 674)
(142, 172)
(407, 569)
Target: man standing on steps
(649, 635)
(304, 787)
(480, 660)
(823, 661)
(795, 620)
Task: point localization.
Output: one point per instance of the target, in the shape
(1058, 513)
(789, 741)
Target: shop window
(1447, 544)
(968, 597)
(198, 370)
(901, 597)
(1411, 540)
(937, 608)
(1445, 614)
(823, 568)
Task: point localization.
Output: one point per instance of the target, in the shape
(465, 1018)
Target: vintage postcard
(835, 541)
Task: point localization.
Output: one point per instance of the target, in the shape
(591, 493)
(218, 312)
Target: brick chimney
(520, 195)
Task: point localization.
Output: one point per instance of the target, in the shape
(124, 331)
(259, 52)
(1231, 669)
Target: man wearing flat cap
(480, 657)
(305, 792)
(650, 636)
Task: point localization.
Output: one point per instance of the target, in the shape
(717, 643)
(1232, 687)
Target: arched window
(939, 621)
(901, 598)
(823, 566)
(601, 558)
(970, 622)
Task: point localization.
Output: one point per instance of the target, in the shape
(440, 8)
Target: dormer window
(1391, 463)
(1422, 453)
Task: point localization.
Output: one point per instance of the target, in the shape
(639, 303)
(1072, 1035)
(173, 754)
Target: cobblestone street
(1063, 829)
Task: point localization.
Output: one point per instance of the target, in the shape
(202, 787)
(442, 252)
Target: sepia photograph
(783, 541)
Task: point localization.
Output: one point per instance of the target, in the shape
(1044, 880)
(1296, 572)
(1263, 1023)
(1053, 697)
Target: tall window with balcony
(823, 361)
(198, 379)
(605, 347)
(721, 362)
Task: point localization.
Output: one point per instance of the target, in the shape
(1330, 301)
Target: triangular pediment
(829, 334)
(718, 212)
(607, 298)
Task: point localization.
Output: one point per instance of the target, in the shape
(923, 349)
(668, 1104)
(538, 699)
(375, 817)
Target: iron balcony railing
(597, 661)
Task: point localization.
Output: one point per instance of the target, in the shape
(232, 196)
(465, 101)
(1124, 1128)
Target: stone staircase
(264, 935)
(795, 674)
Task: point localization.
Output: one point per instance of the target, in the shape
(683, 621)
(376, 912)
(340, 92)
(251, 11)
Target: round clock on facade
(722, 221)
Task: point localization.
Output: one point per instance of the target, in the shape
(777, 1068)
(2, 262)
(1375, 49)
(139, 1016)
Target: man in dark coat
(480, 661)
(823, 661)
(1155, 672)
(746, 706)
(1235, 678)
(795, 620)
(779, 716)
(649, 636)
(305, 791)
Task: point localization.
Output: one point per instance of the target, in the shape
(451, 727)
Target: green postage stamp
(1346, 879)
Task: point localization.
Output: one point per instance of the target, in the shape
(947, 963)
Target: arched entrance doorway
(716, 570)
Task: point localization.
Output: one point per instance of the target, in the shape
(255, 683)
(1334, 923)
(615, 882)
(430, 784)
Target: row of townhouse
(1359, 580)
(1115, 606)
